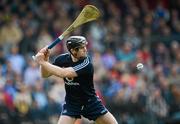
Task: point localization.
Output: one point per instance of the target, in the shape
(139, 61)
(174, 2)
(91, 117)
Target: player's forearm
(44, 72)
(58, 71)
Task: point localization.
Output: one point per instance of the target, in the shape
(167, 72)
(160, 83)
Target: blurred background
(128, 32)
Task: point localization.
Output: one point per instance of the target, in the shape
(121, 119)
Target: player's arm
(48, 69)
(44, 73)
(58, 71)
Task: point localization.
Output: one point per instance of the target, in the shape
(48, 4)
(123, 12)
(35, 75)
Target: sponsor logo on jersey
(64, 111)
(70, 81)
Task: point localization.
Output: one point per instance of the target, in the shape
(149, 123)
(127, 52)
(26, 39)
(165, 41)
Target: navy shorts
(91, 110)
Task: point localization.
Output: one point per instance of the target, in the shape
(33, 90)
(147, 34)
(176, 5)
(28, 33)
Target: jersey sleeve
(84, 68)
(58, 61)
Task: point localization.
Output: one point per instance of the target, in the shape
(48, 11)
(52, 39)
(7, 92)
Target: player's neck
(74, 59)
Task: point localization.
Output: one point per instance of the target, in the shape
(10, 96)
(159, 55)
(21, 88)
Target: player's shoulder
(62, 57)
(85, 63)
(87, 59)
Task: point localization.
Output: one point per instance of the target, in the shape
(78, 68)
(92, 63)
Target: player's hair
(75, 42)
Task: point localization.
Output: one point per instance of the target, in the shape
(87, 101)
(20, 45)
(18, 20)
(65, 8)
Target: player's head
(76, 45)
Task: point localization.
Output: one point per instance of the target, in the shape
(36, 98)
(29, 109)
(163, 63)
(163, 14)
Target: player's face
(81, 51)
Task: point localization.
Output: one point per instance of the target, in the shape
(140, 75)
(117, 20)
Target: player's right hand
(46, 53)
(39, 58)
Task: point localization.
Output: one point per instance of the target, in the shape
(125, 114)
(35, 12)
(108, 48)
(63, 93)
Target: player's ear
(72, 51)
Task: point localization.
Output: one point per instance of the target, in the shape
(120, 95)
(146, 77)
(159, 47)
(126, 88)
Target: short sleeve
(60, 60)
(84, 67)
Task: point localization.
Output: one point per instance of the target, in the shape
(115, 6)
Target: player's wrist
(42, 62)
(46, 59)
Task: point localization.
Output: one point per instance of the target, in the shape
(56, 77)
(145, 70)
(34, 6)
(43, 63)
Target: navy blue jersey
(81, 88)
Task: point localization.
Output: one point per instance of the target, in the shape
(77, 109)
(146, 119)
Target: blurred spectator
(28, 44)
(98, 32)
(2, 58)
(40, 102)
(160, 54)
(132, 36)
(13, 36)
(157, 106)
(4, 110)
(31, 74)
(175, 22)
(16, 60)
(39, 96)
(108, 59)
(43, 39)
(99, 69)
(125, 53)
(57, 92)
(23, 102)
